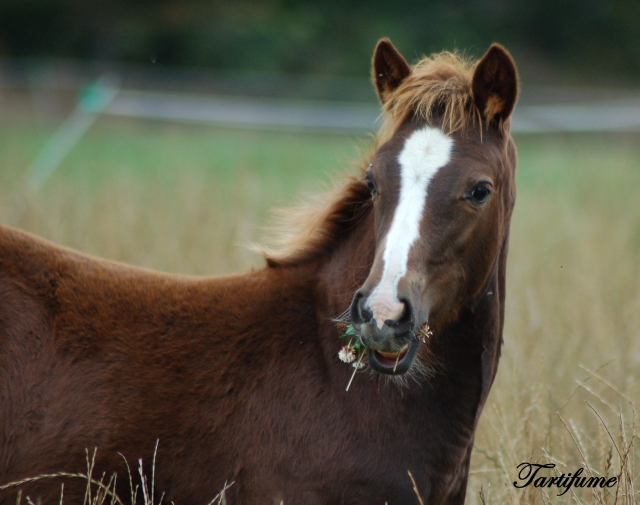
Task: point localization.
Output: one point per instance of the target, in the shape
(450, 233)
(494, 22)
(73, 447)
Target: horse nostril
(366, 314)
(358, 313)
(354, 310)
(406, 318)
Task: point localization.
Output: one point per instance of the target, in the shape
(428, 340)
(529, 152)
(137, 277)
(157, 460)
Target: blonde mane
(438, 85)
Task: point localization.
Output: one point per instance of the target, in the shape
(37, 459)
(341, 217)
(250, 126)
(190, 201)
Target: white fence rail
(281, 114)
(278, 114)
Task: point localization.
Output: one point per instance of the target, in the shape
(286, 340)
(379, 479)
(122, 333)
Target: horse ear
(495, 84)
(389, 69)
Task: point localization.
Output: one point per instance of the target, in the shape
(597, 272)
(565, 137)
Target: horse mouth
(394, 363)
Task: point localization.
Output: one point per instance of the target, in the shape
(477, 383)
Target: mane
(439, 85)
(309, 231)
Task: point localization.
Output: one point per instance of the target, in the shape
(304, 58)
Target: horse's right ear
(389, 69)
(495, 84)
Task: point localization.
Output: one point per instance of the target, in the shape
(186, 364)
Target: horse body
(97, 354)
(238, 377)
(135, 356)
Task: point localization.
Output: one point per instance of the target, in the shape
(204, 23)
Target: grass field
(185, 199)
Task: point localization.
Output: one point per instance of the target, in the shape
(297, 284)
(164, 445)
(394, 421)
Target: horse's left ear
(389, 69)
(495, 84)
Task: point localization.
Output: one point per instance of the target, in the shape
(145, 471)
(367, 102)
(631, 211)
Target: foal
(239, 377)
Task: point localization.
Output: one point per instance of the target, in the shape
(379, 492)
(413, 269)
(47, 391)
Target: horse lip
(400, 367)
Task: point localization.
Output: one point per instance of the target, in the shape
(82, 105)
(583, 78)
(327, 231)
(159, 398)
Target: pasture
(188, 199)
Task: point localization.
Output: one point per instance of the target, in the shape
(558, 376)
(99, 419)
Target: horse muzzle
(394, 346)
(396, 354)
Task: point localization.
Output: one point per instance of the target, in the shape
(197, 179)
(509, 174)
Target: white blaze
(424, 153)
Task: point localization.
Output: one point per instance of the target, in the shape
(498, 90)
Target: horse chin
(394, 364)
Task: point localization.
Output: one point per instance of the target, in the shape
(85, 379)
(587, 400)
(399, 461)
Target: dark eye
(371, 186)
(479, 194)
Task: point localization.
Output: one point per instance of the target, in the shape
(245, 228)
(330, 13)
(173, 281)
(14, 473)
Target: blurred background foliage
(555, 41)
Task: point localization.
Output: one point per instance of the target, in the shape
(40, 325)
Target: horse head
(442, 192)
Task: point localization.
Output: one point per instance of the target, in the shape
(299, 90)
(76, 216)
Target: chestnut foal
(239, 377)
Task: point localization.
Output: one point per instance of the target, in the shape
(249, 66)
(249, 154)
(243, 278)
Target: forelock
(438, 85)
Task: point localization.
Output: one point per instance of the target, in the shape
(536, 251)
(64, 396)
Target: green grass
(176, 198)
(184, 199)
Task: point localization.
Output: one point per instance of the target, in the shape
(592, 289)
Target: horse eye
(371, 186)
(480, 194)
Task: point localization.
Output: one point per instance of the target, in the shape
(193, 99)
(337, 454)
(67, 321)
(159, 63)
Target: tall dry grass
(100, 489)
(568, 386)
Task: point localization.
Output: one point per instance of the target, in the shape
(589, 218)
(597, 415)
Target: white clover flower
(358, 365)
(347, 354)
